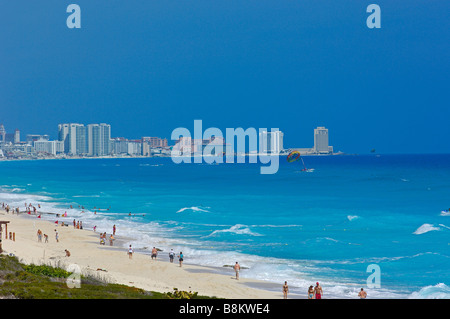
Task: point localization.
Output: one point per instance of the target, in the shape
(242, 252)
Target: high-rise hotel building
(74, 137)
(270, 142)
(93, 140)
(98, 139)
(321, 140)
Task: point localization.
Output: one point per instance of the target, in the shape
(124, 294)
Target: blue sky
(148, 67)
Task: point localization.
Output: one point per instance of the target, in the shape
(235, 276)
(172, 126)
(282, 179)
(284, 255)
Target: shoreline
(6, 159)
(113, 263)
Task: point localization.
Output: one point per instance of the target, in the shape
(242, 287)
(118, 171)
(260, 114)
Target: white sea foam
(18, 199)
(236, 229)
(445, 213)
(373, 260)
(352, 217)
(277, 226)
(425, 228)
(195, 209)
(86, 196)
(439, 291)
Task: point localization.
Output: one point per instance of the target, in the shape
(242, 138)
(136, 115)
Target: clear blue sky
(147, 67)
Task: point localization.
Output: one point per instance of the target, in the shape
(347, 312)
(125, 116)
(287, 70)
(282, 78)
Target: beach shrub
(179, 294)
(46, 271)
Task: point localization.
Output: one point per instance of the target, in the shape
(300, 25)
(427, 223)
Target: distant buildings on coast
(94, 140)
(321, 144)
(77, 140)
(272, 142)
(269, 142)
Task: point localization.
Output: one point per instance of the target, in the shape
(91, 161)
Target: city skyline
(96, 140)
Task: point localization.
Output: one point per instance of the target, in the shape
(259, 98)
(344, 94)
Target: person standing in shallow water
(171, 255)
(285, 290)
(180, 258)
(362, 294)
(130, 252)
(154, 253)
(311, 292)
(318, 291)
(237, 268)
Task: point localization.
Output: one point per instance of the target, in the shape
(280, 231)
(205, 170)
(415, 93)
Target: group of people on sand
(103, 239)
(154, 255)
(316, 292)
(77, 224)
(29, 208)
(313, 292)
(40, 234)
(8, 209)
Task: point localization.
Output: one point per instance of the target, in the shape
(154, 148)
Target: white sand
(140, 271)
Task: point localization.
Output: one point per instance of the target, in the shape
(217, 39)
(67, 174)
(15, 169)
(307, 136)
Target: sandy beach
(113, 264)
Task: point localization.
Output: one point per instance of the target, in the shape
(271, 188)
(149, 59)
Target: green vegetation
(22, 281)
(178, 294)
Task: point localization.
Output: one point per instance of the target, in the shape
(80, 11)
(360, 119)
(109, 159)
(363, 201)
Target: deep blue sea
(328, 225)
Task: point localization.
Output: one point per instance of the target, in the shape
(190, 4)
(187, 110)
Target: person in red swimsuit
(318, 291)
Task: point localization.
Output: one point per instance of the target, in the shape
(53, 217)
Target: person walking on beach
(154, 253)
(318, 291)
(285, 290)
(237, 268)
(171, 255)
(46, 238)
(311, 292)
(114, 230)
(180, 258)
(130, 252)
(362, 294)
(39, 234)
(56, 236)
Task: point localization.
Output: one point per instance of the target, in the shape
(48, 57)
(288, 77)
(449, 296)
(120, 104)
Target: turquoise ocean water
(327, 226)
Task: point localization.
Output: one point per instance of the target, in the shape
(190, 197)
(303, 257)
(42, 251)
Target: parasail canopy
(293, 156)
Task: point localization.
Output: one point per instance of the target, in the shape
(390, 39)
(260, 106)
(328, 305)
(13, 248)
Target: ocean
(325, 226)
